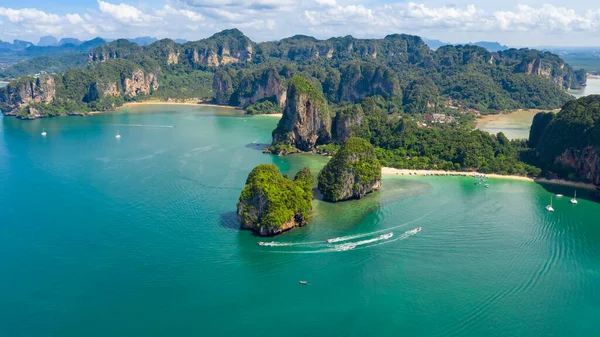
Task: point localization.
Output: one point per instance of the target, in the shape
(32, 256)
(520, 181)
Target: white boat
(549, 207)
(43, 133)
(559, 195)
(386, 236)
(574, 200)
(118, 136)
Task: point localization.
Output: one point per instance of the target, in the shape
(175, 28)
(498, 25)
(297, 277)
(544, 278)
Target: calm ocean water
(137, 237)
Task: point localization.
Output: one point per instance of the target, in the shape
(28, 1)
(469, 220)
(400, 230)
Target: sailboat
(574, 200)
(118, 136)
(549, 207)
(43, 132)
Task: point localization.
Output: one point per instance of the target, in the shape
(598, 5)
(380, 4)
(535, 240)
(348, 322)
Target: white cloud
(74, 19)
(125, 13)
(29, 14)
(468, 20)
(189, 14)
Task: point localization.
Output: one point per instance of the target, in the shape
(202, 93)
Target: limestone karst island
(299, 168)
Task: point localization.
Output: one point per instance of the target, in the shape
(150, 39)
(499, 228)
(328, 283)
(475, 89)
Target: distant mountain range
(50, 47)
(490, 46)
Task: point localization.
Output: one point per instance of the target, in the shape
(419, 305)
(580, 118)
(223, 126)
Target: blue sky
(511, 22)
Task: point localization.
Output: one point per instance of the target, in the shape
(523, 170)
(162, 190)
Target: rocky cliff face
(140, 83)
(268, 84)
(586, 162)
(26, 91)
(306, 121)
(568, 143)
(353, 172)
(346, 119)
(360, 80)
(554, 70)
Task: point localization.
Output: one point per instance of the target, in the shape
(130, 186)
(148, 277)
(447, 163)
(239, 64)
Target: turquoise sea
(137, 237)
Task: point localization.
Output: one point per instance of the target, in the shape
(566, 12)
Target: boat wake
(358, 236)
(145, 125)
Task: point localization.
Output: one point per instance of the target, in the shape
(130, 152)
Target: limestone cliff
(353, 172)
(359, 80)
(271, 204)
(306, 121)
(261, 85)
(568, 144)
(140, 83)
(345, 121)
(22, 92)
(585, 162)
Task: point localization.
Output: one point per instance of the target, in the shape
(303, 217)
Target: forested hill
(567, 144)
(229, 68)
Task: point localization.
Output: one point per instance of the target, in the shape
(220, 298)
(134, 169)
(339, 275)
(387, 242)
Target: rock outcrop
(568, 144)
(360, 80)
(585, 162)
(345, 121)
(266, 84)
(140, 83)
(353, 172)
(271, 203)
(25, 91)
(306, 121)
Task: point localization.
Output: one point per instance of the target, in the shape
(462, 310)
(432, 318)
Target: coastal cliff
(568, 144)
(271, 203)
(353, 172)
(346, 120)
(306, 121)
(37, 97)
(19, 94)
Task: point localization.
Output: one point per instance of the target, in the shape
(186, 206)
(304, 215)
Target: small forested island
(270, 203)
(352, 172)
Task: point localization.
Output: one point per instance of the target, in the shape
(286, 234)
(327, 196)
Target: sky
(514, 23)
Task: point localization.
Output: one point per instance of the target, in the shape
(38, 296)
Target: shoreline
(271, 115)
(390, 171)
(171, 103)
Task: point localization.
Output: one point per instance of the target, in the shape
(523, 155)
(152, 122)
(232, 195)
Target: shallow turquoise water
(137, 237)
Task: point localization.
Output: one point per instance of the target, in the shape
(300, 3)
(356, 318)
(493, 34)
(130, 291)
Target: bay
(137, 236)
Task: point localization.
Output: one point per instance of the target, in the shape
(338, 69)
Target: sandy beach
(271, 115)
(174, 103)
(406, 172)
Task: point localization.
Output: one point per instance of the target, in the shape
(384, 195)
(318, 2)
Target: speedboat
(574, 200)
(418, 229)
(118, 136)
(304, 282)
(260, 243)
(559, 195)
(43, 133)
(386, 236)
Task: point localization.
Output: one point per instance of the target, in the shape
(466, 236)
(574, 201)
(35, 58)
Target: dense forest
(401, 142)
(229, 68)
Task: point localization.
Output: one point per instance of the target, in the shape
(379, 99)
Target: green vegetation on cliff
(568, 144)
(408, 75)
(271, 203)
(403, 143)
(264, 107)
(352, 172)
